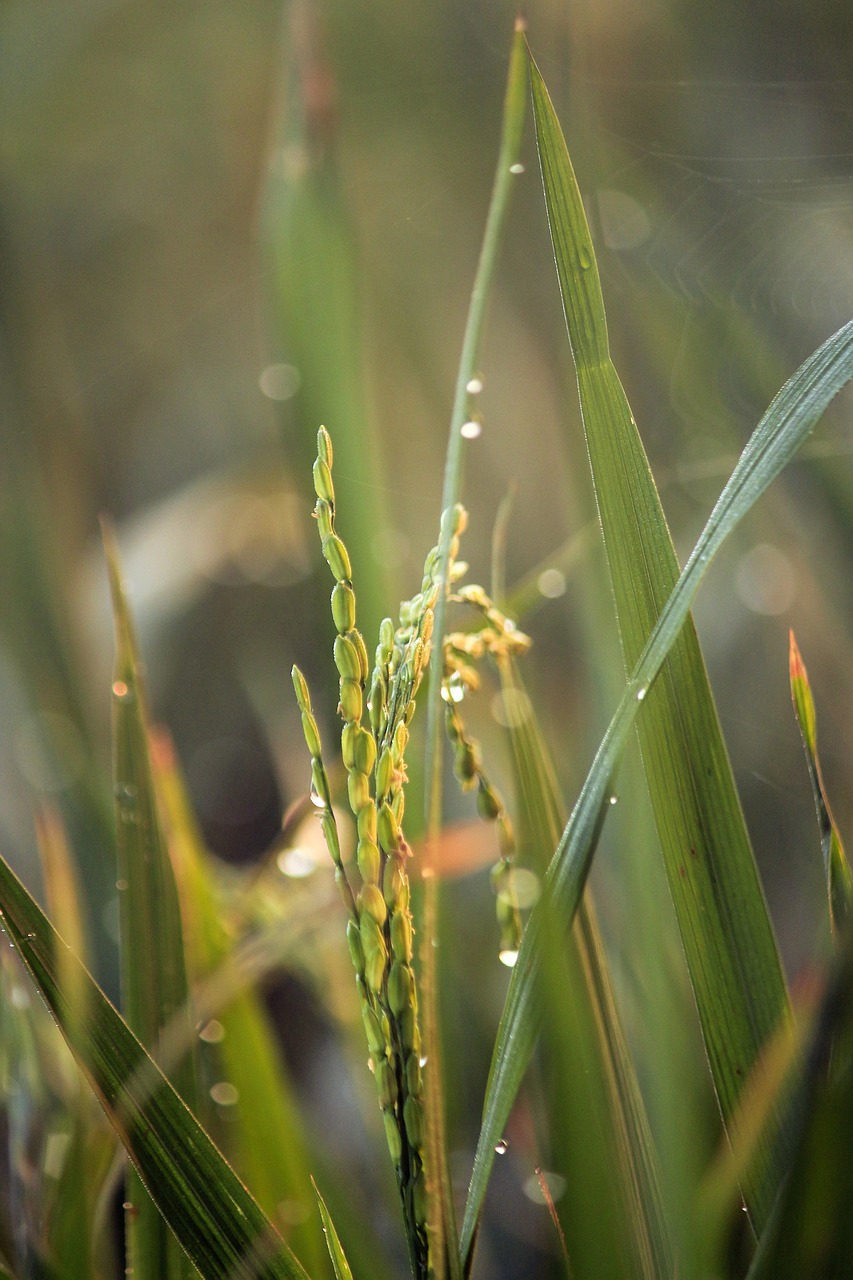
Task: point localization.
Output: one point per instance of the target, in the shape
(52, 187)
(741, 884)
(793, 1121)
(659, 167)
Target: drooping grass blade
(213, 1216)
(785, 426)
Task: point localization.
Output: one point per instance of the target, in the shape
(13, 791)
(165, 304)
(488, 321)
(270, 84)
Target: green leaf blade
(785, 426)
(217, 1222)
(336, 1251)
(839, 881)
(155, 991)
(725, 928)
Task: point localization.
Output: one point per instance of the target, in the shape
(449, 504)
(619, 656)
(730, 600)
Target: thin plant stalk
(443, 1224)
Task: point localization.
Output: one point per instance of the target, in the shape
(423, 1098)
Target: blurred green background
(223, 224)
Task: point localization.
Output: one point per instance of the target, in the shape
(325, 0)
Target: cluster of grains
(497, 638)
(379, 930)
(373, 749)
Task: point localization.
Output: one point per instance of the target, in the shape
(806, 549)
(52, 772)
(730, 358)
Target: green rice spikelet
(384, 774)
(350, 700)
(349, 733)
(358, 790)
(364, 755)
(368, 858)
(330, 834)
(374, 969)
(311, 733)
(355, 948)
(323, 486)
(337, 557)
(373, 1030)
(389, 832)
(370, 900)
(413, 1116)
(367, 822)
(320, 783)
(488, 802)
(386, 1083)
(325, 520)
(413, 1075)
(300, 688)
(399, 988)
(343, 607)
(401, 936)
(324, 446)
(346, 659)
(392, 1136)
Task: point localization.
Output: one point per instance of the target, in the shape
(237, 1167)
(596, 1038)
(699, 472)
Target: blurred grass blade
(263, 1136)
(212, 1214)
(315, 297)
(336, 1252)
(839, 881)
(624, 1197)
(725, 928)
(785, 426)
(80, 1146)
(442, 1213)
(810, 1233)
(154, 987)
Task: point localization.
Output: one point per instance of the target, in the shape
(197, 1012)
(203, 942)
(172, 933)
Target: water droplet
(516, 168)
(122, 692)
(31, 937)
(471, 429)
(614, 799)
(317, 800)
(453, 691)
(641, 693)
(212, 1032)
(474, 387)
(423, 1061)
(121, 885)
(508, 957)
(501, 1147)
(585, 256)
(224, 1093)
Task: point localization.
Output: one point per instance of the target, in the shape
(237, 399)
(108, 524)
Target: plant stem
(442, 1218)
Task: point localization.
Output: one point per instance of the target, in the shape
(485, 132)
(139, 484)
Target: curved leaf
(785, 426)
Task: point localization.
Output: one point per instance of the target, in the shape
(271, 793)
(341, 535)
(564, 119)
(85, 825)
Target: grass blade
(839, 881)
(154, 987)
(725, 928)
(336, 1252)
(263, 1137)
(442, 1212)
(811, 1229)
(785, 426)
(628, 1176)
(212, 1214)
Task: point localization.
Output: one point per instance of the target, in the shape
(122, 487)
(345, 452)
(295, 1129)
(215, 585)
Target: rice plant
(198, 1133)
